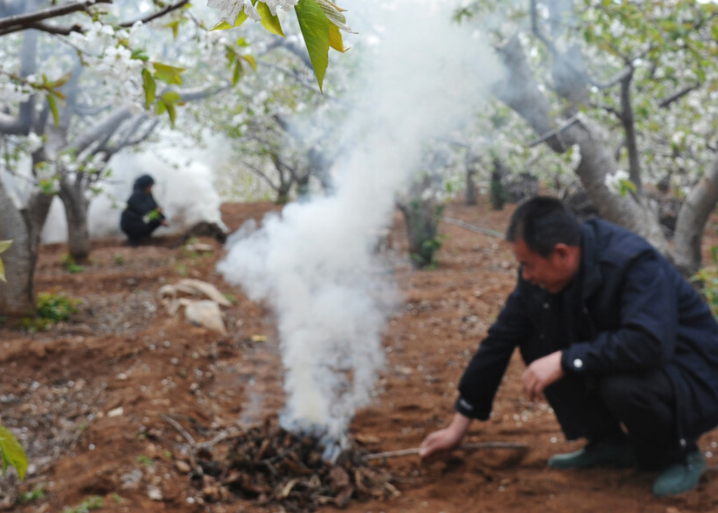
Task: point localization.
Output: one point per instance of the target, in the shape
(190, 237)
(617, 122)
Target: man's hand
(541, 373)
(446, 438)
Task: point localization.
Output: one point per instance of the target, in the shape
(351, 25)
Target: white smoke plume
(313, 263)
(184, 188)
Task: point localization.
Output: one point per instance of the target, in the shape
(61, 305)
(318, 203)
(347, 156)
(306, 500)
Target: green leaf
(315, 30)
(168, 74)
(5, 245)
(241, 18)
(150, 86)
(237, 73)
(174, 25)
(60, 81)
(53, 108)
(335, 38)
(140, 55)
(271, 23)
(249, 60)
(2, 271)
(171, 111)
(222, 25)
(12, 452)
(172, 97)
(242, 42)
(170, 100)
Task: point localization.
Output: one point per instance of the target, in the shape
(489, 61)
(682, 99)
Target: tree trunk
(691, 222)
(471, 195)
(422, 228)
(76, 209)
(17, 296)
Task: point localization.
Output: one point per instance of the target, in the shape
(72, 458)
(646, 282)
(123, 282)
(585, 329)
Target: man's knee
(640, 391)
(621, 391)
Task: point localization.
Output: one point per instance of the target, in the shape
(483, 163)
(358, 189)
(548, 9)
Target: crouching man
(142, 216)
(622, 347)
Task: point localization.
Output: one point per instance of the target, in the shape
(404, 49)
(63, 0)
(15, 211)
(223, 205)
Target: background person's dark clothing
(140, 204)
(628, 312)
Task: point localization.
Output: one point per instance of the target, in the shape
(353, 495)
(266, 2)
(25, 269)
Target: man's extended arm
(482, 377)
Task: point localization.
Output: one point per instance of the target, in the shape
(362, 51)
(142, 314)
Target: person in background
(622, 347)
(142, 216)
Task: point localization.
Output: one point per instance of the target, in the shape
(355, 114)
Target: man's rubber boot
(606, 452)
(680, 477)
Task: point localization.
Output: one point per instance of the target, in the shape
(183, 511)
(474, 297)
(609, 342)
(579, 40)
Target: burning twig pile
(273, 466)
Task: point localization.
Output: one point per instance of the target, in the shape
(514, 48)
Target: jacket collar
(590, 258)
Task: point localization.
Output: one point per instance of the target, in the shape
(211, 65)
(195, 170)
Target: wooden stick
(466, 447)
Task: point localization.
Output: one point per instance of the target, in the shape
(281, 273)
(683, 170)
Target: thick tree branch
(25, 20)
(65, 31)
(100, 130)
(692, 218)
(519, 90)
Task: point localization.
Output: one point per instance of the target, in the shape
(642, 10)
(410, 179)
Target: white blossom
(34, 142)
(613, 181)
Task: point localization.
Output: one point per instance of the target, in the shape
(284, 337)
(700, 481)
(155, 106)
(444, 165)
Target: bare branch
(665, 102)
(261, 174)
(64, 31)
(25, 20)
(555, 133)
(156, 15)
(629, 127)
(617, 78)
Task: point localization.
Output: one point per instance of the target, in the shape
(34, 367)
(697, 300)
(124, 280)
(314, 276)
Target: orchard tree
(631, 89)
(101, 95)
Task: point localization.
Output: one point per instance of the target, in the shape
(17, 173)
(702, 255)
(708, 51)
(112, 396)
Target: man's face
(552, 273)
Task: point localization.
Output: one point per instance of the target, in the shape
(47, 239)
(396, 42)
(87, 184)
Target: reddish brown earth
(122, 350)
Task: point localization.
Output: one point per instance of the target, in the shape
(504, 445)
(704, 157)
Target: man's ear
(561, 250)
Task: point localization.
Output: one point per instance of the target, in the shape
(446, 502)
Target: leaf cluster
(51, 309)
(320, 22)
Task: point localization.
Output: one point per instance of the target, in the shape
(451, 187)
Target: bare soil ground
(90, 398)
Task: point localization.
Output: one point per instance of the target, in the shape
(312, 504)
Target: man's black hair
(542, 222)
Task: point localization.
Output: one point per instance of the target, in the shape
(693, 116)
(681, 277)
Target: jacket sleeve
(482, 377)
(137, 204)
(646, 336)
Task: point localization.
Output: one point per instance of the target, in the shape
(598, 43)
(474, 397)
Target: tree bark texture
(76, 209)
(692, 218)
(16, 296)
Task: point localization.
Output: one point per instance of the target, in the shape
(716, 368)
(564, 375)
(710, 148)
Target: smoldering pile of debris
(274, 467)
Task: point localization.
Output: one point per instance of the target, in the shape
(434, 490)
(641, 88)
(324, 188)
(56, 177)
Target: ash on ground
(272, 466)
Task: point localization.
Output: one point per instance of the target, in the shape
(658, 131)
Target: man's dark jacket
(628, 310)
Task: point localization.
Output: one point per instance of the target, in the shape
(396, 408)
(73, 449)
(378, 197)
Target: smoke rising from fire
(421, 78)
